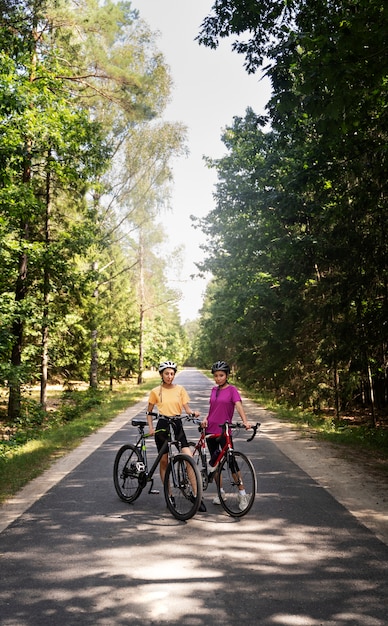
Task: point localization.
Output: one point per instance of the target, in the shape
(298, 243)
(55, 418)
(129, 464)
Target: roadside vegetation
(31, 444)
(353, 432)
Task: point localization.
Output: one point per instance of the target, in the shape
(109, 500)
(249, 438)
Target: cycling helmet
(220, 366)
(166, 364)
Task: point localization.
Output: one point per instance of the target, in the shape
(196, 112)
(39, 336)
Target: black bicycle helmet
(166, 364)
(220, 366)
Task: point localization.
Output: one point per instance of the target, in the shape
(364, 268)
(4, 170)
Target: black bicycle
(182, 482)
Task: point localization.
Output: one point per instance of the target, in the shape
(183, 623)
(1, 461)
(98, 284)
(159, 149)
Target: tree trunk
(93, 380)
(372, 395)
(46, 292)
(14, 398)
(336, 393)
(94, 361)
(141, 320)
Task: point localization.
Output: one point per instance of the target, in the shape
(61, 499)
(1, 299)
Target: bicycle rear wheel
(182, 487)
(200, 459)
(236, 470)
(127, 468)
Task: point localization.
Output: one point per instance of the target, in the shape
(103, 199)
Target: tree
(325, 205)
(72, 77)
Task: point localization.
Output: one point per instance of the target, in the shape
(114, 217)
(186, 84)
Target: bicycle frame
(142, 446)
(181, 482)
(226, 428)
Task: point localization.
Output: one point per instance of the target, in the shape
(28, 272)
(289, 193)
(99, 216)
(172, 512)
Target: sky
(210, 87)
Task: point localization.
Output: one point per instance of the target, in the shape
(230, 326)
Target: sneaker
(202, 506)
(242, 501)
(211, 473)
(216, 499)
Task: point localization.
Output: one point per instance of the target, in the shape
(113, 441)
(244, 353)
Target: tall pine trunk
(46, 294)
(14, 399)
(141, 319)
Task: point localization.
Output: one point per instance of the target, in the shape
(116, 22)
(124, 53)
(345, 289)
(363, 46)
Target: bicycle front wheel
(182, 487)
(127, 468)
(236, 471)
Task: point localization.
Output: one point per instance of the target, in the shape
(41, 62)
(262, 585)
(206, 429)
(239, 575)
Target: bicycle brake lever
(255, 427)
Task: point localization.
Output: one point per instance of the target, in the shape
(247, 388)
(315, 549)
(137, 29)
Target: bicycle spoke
(182, 487)
(236, 471)
(127, 469)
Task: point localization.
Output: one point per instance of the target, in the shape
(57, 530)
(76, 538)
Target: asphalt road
(79, 555)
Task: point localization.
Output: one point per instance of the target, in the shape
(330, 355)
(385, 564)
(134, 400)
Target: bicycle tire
(202, 467)
(232, 503)
(178, 488)
(126, 473)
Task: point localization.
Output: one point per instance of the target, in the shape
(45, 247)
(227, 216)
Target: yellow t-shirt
(169, 401)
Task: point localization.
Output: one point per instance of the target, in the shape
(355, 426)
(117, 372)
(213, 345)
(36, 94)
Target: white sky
(210, 88)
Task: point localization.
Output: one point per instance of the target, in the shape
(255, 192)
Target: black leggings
(215, 444)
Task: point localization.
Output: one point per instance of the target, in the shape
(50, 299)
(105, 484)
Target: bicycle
(182, 483)
(232, 469)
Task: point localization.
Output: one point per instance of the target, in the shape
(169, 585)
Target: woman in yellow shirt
(170, 399)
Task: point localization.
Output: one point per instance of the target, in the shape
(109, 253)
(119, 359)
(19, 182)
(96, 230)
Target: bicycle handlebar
(255, 427)
(239, 425)
(190, 416)
(195, 420)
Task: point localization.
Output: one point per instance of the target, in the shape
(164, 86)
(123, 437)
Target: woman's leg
(163, 466)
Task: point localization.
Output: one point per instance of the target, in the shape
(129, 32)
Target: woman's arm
(240, 410)
(150, 418)
(188, 410)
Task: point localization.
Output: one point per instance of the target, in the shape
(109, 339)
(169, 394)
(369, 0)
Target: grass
(37, 447)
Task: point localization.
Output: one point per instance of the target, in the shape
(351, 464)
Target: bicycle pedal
(211, 475)
(154, 491)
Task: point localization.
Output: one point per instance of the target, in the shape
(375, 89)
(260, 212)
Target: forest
(84, 179)
(297, 242)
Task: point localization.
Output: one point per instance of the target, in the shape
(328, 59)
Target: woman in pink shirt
(224, 399)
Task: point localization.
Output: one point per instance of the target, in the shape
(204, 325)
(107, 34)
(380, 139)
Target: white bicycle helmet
(166, 364)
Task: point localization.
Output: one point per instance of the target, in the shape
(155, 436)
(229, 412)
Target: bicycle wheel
(235, 470)
(200, 459)
(127, 468)
(181, 481)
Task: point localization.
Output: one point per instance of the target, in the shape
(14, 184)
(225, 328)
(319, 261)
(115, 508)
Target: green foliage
(33, 448)
(80, 168)
(297, 242)
(76, 403)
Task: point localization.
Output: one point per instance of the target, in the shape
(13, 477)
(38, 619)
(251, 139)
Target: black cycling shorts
(163, 435)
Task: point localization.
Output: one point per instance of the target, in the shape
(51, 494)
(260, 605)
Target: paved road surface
(80, 556)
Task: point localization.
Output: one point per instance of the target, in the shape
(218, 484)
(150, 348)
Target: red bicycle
(233, 471)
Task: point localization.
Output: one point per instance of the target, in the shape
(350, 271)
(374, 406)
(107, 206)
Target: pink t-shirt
(222, 404)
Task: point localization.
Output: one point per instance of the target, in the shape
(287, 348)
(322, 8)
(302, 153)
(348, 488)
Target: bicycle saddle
(139, 421)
